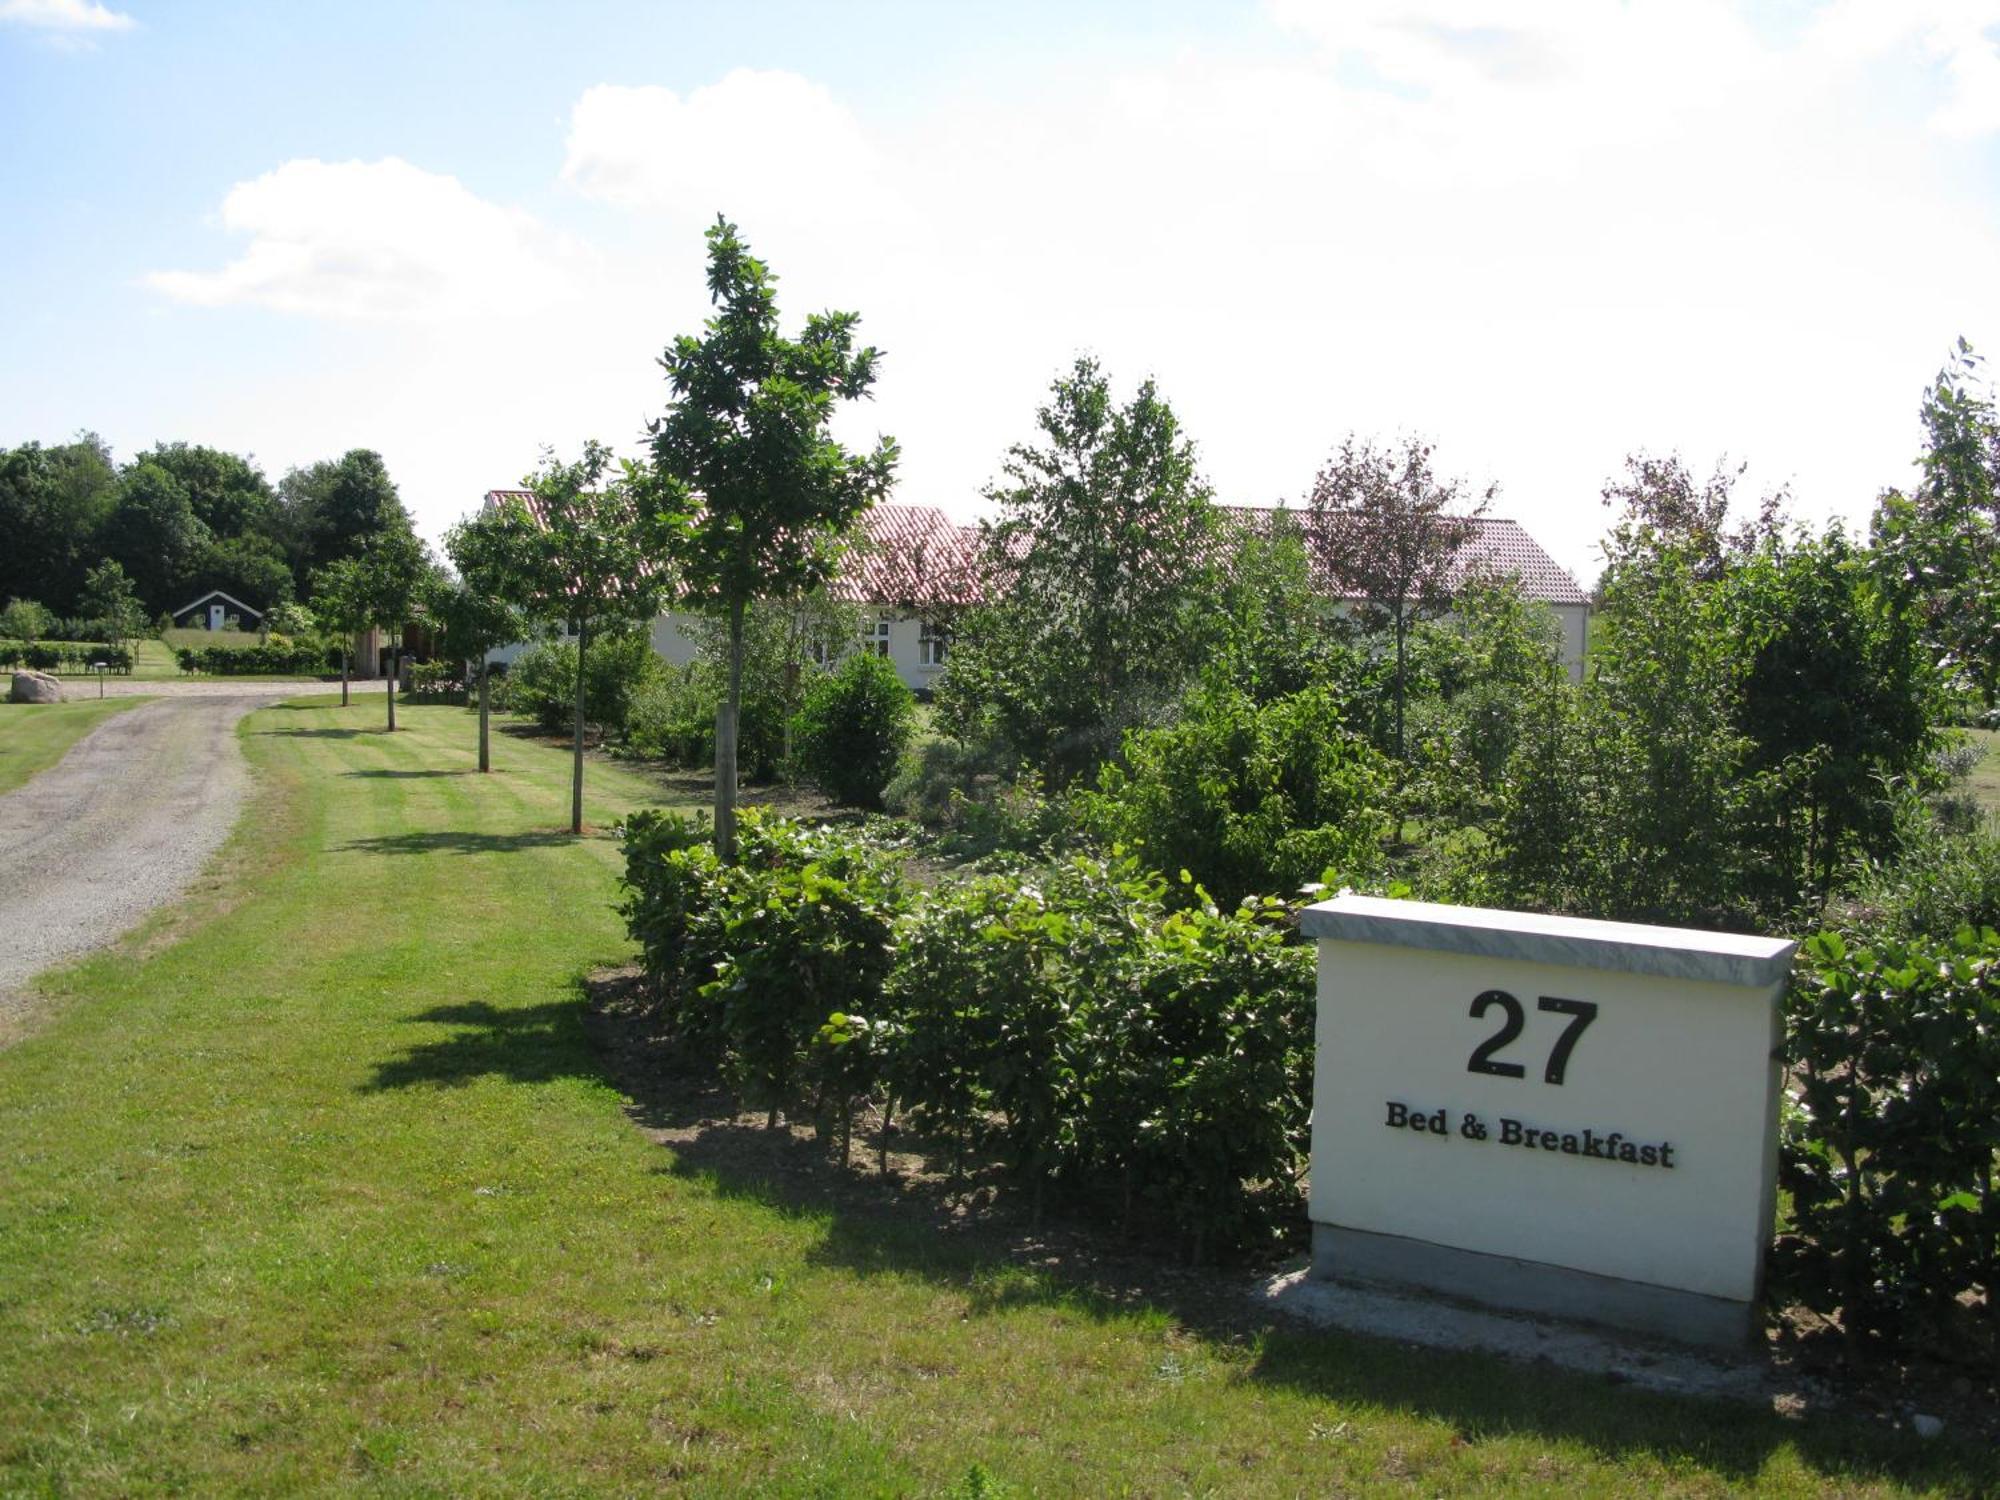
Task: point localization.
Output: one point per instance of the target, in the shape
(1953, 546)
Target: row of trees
(180, 519)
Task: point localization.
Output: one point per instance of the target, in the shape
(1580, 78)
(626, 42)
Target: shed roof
(248, 609)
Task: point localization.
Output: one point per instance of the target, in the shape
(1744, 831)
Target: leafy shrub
(434, 679)
(276, 657)
(851, 728)
(544, 681)
(672, 718)
(1099, 1044)
(25, 620)
(1248, 799)
(51, 656)
(1889, 1152)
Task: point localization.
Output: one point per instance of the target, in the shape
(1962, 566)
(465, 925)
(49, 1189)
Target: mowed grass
(1985, 781)
(333, 1193)
(34, 736)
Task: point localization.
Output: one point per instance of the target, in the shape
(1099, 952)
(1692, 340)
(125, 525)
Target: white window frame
(933, 644)
(875, 633)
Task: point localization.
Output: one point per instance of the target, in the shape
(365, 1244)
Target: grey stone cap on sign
(1668, 952)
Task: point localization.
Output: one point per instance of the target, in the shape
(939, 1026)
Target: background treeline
(180, 519)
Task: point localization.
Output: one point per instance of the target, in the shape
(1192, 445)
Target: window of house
(932, 644)
(875, 634)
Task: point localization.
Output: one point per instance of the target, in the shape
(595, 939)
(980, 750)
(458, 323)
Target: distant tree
(1103, 571)
(155, 535)
(340, 603)
(1660, 503)
(229, 494)
(53, 506)
(750, 493)
(472, 609)
(250, 568)
(330, 509)
(572, 558)
(391, 573)
(1938, 547)
(25, 620)
(108, 596)
(1388, 531)
(1275, 642)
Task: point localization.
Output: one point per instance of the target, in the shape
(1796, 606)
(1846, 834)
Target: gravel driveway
(121, 824)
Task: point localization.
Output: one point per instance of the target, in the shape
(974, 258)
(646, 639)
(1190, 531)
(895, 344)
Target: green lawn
(333, 1192)
(34, 736)
(1986, 775)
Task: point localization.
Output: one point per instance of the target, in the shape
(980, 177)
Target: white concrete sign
(1547, 1113)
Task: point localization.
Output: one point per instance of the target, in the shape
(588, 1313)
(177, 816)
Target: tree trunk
(576, 769)
(725, 742)
(1402, 629)
(485, 760)
(395, 671)
(346, 654)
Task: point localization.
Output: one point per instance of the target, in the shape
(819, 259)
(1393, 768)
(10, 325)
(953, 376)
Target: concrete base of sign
(1530, 1286)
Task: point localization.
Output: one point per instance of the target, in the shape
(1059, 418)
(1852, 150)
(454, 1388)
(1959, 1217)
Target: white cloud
(756, 143)
(64, 15)
(375, 240)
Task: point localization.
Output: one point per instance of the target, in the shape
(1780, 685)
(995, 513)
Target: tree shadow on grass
(976, 1240)
(454, 841)
(526, 1044)
(323, 734)
(379, 773)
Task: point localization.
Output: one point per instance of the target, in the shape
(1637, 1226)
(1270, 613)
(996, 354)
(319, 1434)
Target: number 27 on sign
(1513, 1019)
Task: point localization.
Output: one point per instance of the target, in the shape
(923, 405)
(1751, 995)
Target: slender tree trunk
(346, 655)
(1402, 629)
(395, 671)
(485, 760)
(576, 769)
(725, 742)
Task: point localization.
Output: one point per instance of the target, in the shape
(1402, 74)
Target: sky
(1541, 234)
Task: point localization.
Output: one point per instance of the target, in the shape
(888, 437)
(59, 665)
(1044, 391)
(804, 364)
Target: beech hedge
(1891, 1136)
(1132, 1061)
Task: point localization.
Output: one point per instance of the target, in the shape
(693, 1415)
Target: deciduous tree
(472, 609)
(1388, 531)
(1102, 569)
(750, 493)
(571, 557)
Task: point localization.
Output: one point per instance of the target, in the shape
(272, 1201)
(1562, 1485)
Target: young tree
(571, 556)
(750, 493)
(1938, 548)
(1104, 568)
(1388, 532)
(342, 607)
(390, 575)
(108, 596)
(472, 610)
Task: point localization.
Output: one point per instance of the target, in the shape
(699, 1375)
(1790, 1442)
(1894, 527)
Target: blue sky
(1542, 232)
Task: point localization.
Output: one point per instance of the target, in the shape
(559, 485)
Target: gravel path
(119, 826)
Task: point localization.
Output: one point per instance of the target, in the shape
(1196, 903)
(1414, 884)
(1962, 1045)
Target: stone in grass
(1926, 1426)
(35, 687)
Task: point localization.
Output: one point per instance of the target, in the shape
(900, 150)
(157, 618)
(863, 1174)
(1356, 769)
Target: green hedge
(64, 656)
(1891, 1136)
(277, 657)
(1131, 1060)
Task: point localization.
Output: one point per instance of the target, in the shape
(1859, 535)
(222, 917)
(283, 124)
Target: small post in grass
(100, 668)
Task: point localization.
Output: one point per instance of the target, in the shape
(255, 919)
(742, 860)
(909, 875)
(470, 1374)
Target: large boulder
(35, 687)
